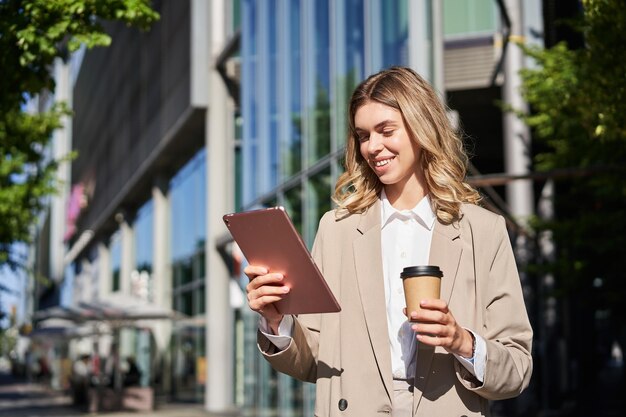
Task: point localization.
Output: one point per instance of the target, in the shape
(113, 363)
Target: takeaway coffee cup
(420, 282)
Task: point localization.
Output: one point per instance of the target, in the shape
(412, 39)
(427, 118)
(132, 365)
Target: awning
(116, 309)
(58, 328)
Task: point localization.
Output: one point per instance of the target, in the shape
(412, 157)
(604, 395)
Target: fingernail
(285, 290)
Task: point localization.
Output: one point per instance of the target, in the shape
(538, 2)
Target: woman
(403, 201)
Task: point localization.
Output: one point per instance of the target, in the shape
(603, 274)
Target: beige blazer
(347, 354)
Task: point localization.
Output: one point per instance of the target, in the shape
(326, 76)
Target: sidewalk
(171, 410)
(22, 399)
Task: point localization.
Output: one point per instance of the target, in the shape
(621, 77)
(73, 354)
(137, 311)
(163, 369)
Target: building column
(220, 190)
(420, 38)
(104, 270)
(517, 141)
(61, 146)
(127, 243)
(517, 161)
(161, 278)
(125, 345)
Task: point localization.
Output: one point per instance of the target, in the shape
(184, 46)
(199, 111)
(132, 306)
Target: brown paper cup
(420, 283)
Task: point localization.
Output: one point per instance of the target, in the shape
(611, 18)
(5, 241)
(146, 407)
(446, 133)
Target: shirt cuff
(285, 330)
(476, 364)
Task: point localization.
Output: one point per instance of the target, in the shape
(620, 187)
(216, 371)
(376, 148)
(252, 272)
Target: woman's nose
(375, 143)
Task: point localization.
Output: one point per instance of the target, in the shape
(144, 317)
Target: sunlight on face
(387, 147)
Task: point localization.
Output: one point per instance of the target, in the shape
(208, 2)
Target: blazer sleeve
(506, 327)
(299, 359)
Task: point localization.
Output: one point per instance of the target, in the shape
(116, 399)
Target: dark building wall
(128, 99)
(481, 123)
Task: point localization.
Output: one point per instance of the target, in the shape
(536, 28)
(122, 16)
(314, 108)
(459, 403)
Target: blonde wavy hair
(443, 158)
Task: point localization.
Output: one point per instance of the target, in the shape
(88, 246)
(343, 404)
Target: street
(19, 398)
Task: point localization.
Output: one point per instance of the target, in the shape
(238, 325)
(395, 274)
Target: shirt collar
(422, 212)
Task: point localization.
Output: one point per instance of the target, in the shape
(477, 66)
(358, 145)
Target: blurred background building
(229, 105)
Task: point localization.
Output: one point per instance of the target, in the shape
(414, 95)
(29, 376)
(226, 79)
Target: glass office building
(300, 61)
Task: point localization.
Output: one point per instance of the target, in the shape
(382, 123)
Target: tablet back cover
(268, 238)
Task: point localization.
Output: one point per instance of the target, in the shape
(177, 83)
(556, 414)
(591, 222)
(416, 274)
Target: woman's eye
(387, 133)
(363, 138)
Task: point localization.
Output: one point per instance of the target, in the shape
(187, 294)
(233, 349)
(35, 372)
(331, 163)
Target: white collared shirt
(405, 241)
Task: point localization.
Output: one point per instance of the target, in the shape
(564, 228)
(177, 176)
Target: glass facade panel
(292, 151)
(115, 246)
(318, 200)
(141, 279)
(188, 200)
(188, 226)
(293, 89)
(467, 17)
(249, 99)
(188, 363)
(350, 58)
(395, 33)
(319, 137)
(272, 105)
(293, 205)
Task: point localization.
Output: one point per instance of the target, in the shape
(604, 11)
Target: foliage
(578, 101)
(33, 34)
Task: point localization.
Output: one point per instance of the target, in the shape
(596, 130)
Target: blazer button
(343, 404)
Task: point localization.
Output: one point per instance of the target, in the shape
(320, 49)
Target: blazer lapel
(445, 251)
(369, 271)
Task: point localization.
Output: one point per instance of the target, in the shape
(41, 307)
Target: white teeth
(381, 163)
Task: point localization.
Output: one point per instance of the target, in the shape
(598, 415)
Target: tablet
(268, 238)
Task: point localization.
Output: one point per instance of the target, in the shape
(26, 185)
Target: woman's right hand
(264, 289)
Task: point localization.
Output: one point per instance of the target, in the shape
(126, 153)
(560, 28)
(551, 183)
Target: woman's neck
(405, 197)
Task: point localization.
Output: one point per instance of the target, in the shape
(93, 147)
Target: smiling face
(390, 152)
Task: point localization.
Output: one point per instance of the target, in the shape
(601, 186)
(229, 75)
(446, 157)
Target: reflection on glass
(292, 154)
(291, 395)
(321, 115)
(238, 162)
(351, 63)
(273, 75)
(249, 103)
(395, 33)
(318, 200)
(141, 285)
(188, 213)
(188, 226)
(319, 142)
(188, 362)
(201, 300)
(115, 246)
(251, 361)
(293, 205)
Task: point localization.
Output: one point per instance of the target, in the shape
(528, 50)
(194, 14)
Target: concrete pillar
(220, 188)
(517, 141)
(126, 340)
(105, 280)
(420, 38)
(127, 238)
(161, 275)
(438, 75)
(517, 161)
(61, 146)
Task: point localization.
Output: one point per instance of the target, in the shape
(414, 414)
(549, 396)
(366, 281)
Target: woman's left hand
(435, 326)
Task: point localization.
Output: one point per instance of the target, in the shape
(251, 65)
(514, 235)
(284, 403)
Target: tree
(33, 34)
(578, 102)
